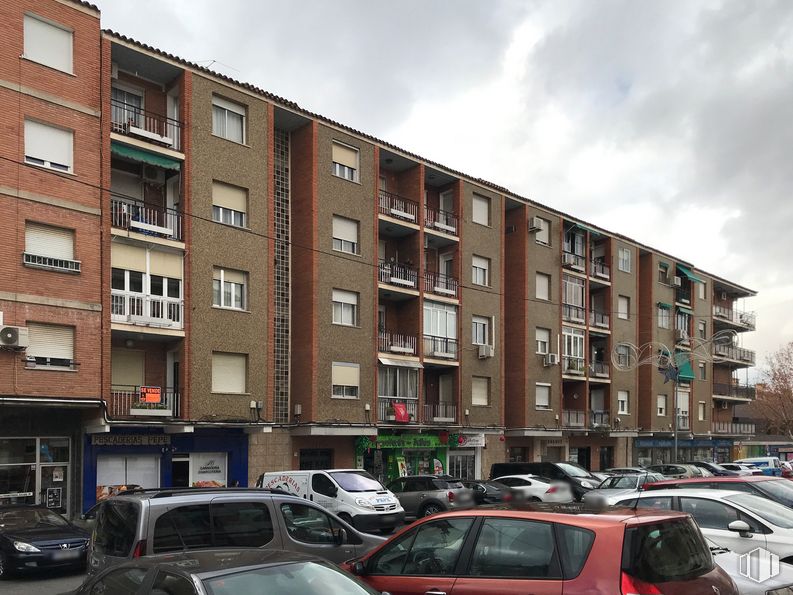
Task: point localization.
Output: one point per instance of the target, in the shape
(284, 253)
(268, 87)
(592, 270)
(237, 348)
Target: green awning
(685, 310)
(144, 156)
(661, 263)
(684, 369)
(665, 305)
(687, 272)
(589, 229)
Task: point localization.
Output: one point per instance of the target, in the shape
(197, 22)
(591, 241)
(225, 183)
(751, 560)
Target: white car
(729, 561)
(534, 488)
(738, 521)
(742, 468)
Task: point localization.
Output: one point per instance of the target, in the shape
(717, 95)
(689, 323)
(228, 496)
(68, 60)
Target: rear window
(664, 552)
(442, 484)
(116, 524)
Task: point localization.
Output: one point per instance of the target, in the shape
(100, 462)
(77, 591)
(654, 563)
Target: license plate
(389, 518)
(382, 501)
(66, 555)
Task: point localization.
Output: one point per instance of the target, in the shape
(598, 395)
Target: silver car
(423, 495)
(619, 487)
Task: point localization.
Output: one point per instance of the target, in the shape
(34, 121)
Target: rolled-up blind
(45, 240)
(229, 371)
(128, 368)
(229, 275)
(131, 258)
(345, 155)
(345, 297)
(48, 143)
(50, 340)
(345, 229)
(48, 44)
(229, 197)
(165, 264)
(346, 374)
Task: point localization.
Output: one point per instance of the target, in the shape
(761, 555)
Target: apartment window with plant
(573, 298)
(624, 260)
(543, 234)
(345, 380)
(481, 210)
(664, 315)
(480, 274)
(543, 338)
(542, 286)
(397, 382)
(661, 405)
(229, 204)
(49, 146)
(345, 307)
(623, 307)
(229, 288)
(345, 235)
(542, 395)
(48, 43)
(51, 346)
(623, 402)
(480, 330)
(228, 119)
(480, 390)
(51, 248)
(346, 161)
(229, 373)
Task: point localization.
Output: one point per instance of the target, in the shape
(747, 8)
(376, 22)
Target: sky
(669, 121)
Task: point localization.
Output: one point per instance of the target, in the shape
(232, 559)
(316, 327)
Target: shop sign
(208, 470)
(130, 439)
(54, 499)
(151, 394)
(471, 440)
(407, 441)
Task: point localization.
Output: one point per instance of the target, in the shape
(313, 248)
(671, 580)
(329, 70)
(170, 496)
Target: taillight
(630, 585)
(140, 549)
(552, 490)
(451, 496)
(507, 497)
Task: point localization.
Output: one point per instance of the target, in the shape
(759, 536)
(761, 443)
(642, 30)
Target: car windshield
(779, 490)
(356, 481)
(306, 578)
(575, 470)
(28, 518)
(621, 482)
(766, 509)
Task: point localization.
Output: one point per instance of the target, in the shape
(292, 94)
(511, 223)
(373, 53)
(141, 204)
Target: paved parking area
(43, 583)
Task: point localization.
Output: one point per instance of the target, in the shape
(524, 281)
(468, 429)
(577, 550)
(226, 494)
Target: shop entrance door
(35, 471)
(54, 479)
(462, 464)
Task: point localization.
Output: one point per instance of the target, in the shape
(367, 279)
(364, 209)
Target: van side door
(324, 491)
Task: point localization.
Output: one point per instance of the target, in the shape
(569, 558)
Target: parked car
(742, 469)
(625, 470)
(34, 537)
(600, 475)
(423, 495)
(768, 465)
(488, 491)
(716, 469)
(787, 469)
(143, 522)
(730, 562)
(511, 552)
(774, 488)
(679, 470)
(617, 487)
(579, 479)
(735, 520)
(224, 572)
(531, 488)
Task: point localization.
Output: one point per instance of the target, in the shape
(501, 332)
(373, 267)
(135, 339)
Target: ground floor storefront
(656, 451)
(594, 451)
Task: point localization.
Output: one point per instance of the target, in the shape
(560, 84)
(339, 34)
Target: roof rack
(168, 492)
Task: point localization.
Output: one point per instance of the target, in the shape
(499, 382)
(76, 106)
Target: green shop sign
(363, 443)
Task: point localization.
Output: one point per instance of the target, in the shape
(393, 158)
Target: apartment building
(214, 283)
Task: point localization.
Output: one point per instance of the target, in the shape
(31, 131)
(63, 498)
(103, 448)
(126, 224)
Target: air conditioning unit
(677, 281)
(681, 335)
(14, 337)
(535, 224)
(550, 359)
(486, 351)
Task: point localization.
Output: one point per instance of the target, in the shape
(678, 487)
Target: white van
(352, 494)
(768, 465)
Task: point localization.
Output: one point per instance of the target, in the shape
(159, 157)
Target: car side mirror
(340, 536)
(741, 527)
(358, 568)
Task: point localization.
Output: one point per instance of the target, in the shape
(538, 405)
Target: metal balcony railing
(146, 310)
(385, 407)
(744, 319)
(127, 401)
(573, 418)
(440, 220)
(574, 261)
(572, 313)
(599, 369)
(440, 412)
(598, 268)
(440, 347)
(738, 391)
(440, 284)
(146, 219)
(726, 427)
(131, 120)
(396, 343)
(599, 417)
(572, 365)
(400, 275)
(597, 318)
(738, 354)
(683, 422)
(683, 295)
(398, 207)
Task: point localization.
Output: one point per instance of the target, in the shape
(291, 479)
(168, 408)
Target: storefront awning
(687, 272)
(404, 363)
(144, 156)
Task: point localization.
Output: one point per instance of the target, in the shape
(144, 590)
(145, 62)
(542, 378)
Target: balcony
(146, 310)
(575, 314)
(746, 320)
(440, 347)
(386, 411)
(734, 354)
(683, 422)
(683, 295)
(146, 219)
(439, 284)
(599, 319)
(573, 365)
(131, 120)
(440, 413)
(573, 261)
(599, 417)
(398, 207)
(726, 427)
(599, 369)
(399, 275)
(439, 220)
(599, 269)
(130, 401)
(396, 343)
(573, 418)
(733, 391)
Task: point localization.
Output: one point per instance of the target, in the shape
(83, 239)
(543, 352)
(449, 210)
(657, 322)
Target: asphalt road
(43, 583)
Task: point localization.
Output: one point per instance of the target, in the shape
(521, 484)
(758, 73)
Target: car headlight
(26, 547)
(781, 591)
(363, 503)
(586, 484)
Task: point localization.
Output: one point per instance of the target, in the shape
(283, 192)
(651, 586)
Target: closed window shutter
(346, 374)
(49, 340)
(345, 155)
(128, 369)
(229, 197)
(345, 297)
(165, 264)
(230, 276)
(130, 258)
(48, 44)
(48, 143)
(45, 240)
(481, 210)
(229, 371)
(345, 229)
(479, 390)
(543, 398)
(229, 105)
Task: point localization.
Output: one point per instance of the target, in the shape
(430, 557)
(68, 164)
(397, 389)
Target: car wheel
(5, 566)
(533, 499)
(346, 518)
(431, 508)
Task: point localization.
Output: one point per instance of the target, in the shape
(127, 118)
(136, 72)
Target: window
(663, 273)
(623, 402)
(480, 330)
(543, 235)
(51, 345)
(345, 161)
(573, 298)
(228, 120)
(345, 307)
(481, 210)
(345, 380)
(126, 581)
(573, 342)
(345, 235)
(229, 204)
(682, 321)
(574, 544)
(661, 400)
(50, 248)
(228, 288)
(624, 260)
(480, 390)
(623, 355)
(664, 316)
(574, 242)
(543, 338)
(440, 320)
(623, 307)
(709, 514)
(171, 583)
(480, 274)
(542, 396)
(241, 524)
(701, 290)
(703, 372)
(307, 524)
(397, 381)
(543, 286)
(229, 372)
(115, 529)
(48, 146)
(702, 329)
(185, 527)
(701, 411)
(48, 43)
(513, 548)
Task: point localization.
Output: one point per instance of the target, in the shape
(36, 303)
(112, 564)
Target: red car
(774, 488)
(511, 552)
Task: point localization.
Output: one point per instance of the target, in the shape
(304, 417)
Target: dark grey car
(423, 495)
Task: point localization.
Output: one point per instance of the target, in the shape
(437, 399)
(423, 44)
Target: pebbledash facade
(203, 282)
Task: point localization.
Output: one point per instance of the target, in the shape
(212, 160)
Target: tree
(774, 402)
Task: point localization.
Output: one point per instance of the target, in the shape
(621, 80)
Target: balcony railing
(398, 207)
(393, 273)
(572, 313)
(726, 427)
(598, 268)
(441, 220)
(440, 284)
(744, 319)
(573, 261)
(599, 369)
(738, 354)
(572, 365)
(683, 422)
(597, 318)
(599, 417)
(146, 219)
(440, 412)
(50, 263)
(146, 310)
(385, 408)
(440, 347)
(131, 120)
(128, 401)
(738, 391)
(572, 418)
(683, 295)
(396, 343)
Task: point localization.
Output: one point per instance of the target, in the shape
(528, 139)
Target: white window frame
(406, 380)
(542, 280)
(623, 398)
(487, 382)
(345, 172)
(440, 320)
(624, 260)
(480, 330)
(345, 391)
(701, 290)
(228, 107)
(345, 307)
(233, 285)
(543, 235)
(543, 345)
(345, 245)
(624, 313)
(480, 270)
(664, 317)
(702, 411)
(478, 202)
(29, 53)
(40, 161)
(661, 403)
(546, 388)
(228, 216)
(573, 342)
